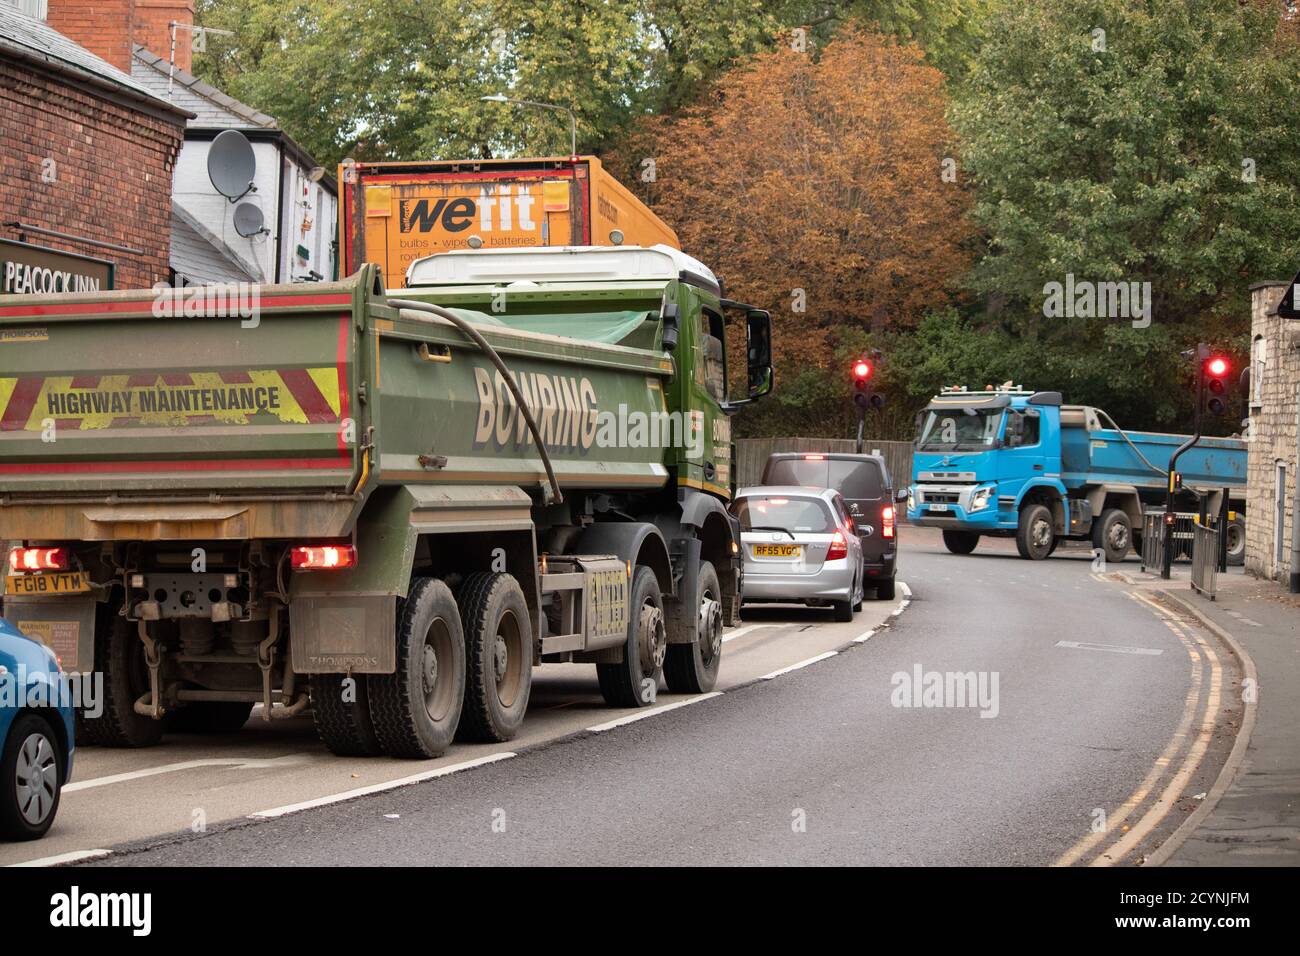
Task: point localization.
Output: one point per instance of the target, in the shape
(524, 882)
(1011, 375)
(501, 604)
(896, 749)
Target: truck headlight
(981, 499)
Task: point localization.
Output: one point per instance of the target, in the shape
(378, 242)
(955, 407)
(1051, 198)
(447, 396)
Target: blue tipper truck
(1007, 462)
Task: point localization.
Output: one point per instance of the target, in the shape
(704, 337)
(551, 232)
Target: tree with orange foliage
(813, 182)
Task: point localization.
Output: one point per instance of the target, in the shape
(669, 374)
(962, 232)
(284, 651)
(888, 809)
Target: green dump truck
(386, 508)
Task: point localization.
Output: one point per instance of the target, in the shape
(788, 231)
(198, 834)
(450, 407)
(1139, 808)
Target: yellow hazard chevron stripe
(288, 396)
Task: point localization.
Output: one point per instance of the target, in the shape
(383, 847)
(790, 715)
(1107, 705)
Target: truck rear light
(887, 521)
(323, 557)
(839, 549)
(814, 457)
(23, 560)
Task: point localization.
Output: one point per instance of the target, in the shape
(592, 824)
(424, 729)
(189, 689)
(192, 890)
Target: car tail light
(323, 557)
(839, 548)
(887, 521)
(22, 560)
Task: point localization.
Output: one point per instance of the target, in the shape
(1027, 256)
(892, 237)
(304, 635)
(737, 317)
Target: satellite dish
(248, 219)
(231, 164)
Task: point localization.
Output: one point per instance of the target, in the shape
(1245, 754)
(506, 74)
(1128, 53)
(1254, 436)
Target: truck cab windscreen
(960, 429)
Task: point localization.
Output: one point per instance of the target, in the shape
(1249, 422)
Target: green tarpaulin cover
(610, 328)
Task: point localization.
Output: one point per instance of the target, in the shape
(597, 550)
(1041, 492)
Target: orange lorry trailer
(395, 213)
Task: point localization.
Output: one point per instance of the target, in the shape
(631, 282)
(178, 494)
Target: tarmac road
(200, 783)
(1094, 721)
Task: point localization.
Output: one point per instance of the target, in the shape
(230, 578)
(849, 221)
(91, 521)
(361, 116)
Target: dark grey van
(863, 482)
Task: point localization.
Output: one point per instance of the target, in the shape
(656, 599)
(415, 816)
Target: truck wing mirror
(900, 495)
(758, 332)
(672, 326)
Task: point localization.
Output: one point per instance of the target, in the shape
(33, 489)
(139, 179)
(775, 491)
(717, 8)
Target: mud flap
(345, 633)
(66, 625)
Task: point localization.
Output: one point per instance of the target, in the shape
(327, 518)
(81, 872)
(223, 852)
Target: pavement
(1095, 717)
(1255, 820)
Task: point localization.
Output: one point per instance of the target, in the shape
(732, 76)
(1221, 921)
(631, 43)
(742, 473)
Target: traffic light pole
(862, 424)
(1168, 530)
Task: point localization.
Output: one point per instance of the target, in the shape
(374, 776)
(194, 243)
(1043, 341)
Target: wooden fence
(751, 455)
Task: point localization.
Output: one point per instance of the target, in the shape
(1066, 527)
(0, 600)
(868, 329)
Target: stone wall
(1275, 376)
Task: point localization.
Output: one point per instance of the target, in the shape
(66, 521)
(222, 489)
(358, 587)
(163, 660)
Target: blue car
(36, 735)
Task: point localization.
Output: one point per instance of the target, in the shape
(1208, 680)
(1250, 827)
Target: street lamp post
(573, 119)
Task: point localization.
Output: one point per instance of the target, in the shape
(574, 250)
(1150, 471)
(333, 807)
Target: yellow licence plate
(71, 582)
(778, 550)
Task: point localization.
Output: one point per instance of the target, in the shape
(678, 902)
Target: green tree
(1135, 140)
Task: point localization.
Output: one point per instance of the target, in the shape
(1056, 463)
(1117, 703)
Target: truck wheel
(693, 668)
(498, 657)
(632, 681)
(416, 709)
(210, 717)
(1034, 537)
(960, 542)
(885, 590)
(31, 778)
(342, 715)
(119, 656)
(1236, 531)
(1113, 535)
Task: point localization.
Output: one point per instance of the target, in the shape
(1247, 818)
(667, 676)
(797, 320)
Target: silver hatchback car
(799, 547)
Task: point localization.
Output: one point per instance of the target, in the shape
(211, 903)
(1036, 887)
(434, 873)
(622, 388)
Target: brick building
(86, 152)
(1271, 472)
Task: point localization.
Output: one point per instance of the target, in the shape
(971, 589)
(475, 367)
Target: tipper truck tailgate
(170, 393)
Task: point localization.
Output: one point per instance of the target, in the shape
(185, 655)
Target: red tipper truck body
(395, 213)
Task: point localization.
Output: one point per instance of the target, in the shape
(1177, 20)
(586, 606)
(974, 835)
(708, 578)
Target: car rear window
(852, 479)
(784, 513)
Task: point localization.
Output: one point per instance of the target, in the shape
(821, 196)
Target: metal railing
(1153, 541)
(1182, 540)
(1205, 559)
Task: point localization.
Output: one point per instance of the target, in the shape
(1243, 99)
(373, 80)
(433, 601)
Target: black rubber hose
(475, 337)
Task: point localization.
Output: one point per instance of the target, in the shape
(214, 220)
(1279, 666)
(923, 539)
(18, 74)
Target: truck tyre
(498, 657)
(342, 715)
(31, 779)
(416, 709)
(632, 682)
(693, 668)
(210, 717)
(1035, 536)
(119, 656)
(960, 542)
(1236, 531)
(885, 590)
(1113, 535)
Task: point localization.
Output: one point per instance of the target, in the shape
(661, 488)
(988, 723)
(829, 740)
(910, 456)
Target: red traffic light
(861, 369)
(1217, 366)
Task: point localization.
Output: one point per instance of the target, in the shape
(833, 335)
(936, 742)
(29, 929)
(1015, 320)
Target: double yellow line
(1182, 755)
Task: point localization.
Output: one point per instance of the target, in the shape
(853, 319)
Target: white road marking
(907, 592)
(795, 667)
(379, 787)
(62, 858)
(864, 636)
(643, 714)
(1114, 648)
(742, 631)
(237, 763)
